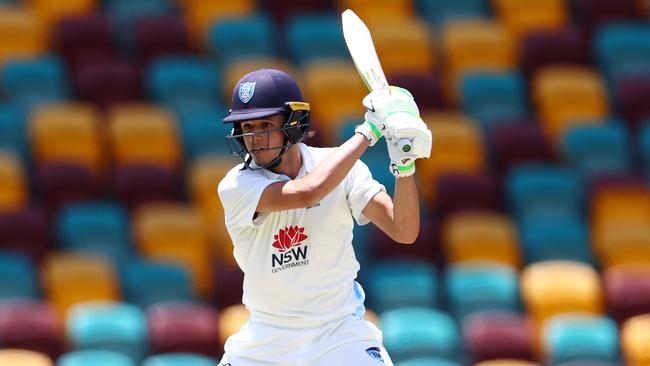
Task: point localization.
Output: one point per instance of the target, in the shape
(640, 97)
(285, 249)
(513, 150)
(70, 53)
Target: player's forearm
(406, 210)
(330, 172)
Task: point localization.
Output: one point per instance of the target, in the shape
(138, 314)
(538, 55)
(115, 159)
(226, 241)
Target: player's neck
(291, 163)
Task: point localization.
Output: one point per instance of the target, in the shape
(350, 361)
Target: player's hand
(371, 128)
(413, 129)
(389, 106)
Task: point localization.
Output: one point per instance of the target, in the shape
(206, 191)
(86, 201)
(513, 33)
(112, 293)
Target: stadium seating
(498, 335)
(523, 18)
(553, 47)
(426, 88)
(81, 36)
(106, 80)
(203, 133)
(634, 337)
(31, 325)
(93, 357)
(136, 185)
(13, 192)
(21, 34)
(19, 357)
(551, 237)
(462, 192)
(517, 143)
(160, 36)
(428, 361)
(30, 83)
(240, 38)
(394, 284)
(315, 37)
(378, 10)
(439, 12)
(179, 359)
(63, 183)
(625, 292)
(26, 230)
(145, 283)
(18, 279)
(201, 15)
(13, 131)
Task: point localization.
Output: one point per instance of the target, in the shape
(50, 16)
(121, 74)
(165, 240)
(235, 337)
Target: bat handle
(404, 145)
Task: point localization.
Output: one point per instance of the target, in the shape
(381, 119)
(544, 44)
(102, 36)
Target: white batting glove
(389, 105)
(371, 128)
(414, 131)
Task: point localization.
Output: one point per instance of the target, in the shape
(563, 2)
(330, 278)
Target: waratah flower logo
(289, 237)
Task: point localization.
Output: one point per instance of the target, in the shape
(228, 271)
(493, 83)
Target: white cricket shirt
(299, 265)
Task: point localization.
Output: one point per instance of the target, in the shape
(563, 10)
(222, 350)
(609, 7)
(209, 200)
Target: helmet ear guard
(297, 124)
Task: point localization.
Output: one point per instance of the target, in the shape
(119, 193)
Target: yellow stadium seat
(568, 95)
(410, 37)
(144, 134)
(379, 10)
(458, 148)
(231, 319)
(49, 12)
(522, 17)
(13, 185)
(635, 338)
(508, 362)
(72, 278)
(620, 230)
(475, 45)
(200, 15)
(335, 92)
(555, 287)
(22, 357)
(235, 70)
(21, 34)
(203, 178)
(176, 233)
(481, 236)
(67, 132)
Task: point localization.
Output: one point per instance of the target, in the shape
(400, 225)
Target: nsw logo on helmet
(246, 91)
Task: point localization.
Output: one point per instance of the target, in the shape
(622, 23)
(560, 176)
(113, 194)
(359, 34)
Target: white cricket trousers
(351, 341)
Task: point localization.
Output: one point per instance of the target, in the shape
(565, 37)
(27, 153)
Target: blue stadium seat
(178, 359)
(378, 161)
(572, 337)
(622, 50)
(203, 132)
(94, 358)
(481, 286)
(110, 326)
(184, 82)
(396, 283)
(494, 97)
(419, 332)
(428, 361)
(17, 277)
(125, 13)
(644, 147)
(544, 189)
(439, 12)
(97, 227)
(237, 38)
(549, 237)
(315, 37)
(599, 150)
(147, 283)
(33, 82)
(13, 131)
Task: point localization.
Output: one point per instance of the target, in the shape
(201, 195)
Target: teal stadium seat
(439, 12)
(110, 326)
(146, 283)
(17, 277)
(179, 359)
(494, 97)
(97, 227)
(239, 38)
(32, 82)
(599, 150)
(125, 13)
(393, 284)
(543, 189)
(481, 286)
(622, 50)
(315, 37)
(182, 83)
(13, 131)
(378, 161)
(94, 358)
(203, 133)
(420, 332)
(428, 361)
(575, 336)
(644, 147)
(550, 237)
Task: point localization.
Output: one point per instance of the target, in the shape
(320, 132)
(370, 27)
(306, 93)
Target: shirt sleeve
(360, 189)
(240, 192)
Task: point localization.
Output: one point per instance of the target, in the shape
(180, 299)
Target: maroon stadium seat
(593, 13)
(518, 142)
(161, 36)
(62, 183)
(553, 47)
(139, 184)
(105, 81)
(425, 248)
(32, 325)
(426, 89)
(633, 96)
(183, 327)
(84, 35)
(627, 290)
(461, 192)
(498, 335)
(26, 231)
(282, 10)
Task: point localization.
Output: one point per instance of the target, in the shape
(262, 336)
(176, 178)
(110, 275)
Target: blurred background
(535, 242)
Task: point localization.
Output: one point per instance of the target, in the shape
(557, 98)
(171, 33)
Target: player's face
(264, 138)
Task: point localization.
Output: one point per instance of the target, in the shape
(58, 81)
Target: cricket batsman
(290, 210)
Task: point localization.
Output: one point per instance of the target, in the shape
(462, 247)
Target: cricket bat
(359, 42)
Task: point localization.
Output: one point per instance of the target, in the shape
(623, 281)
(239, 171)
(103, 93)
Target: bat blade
(359, 42)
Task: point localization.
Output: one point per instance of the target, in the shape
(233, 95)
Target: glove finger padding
(401, 164)
(386, 101)
(414, 129)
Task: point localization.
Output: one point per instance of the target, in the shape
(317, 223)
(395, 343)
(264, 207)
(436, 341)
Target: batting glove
(371, 128)
(414, 132)
(389, 105)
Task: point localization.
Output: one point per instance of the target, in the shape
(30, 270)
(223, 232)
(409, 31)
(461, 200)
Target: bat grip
(404, 145)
